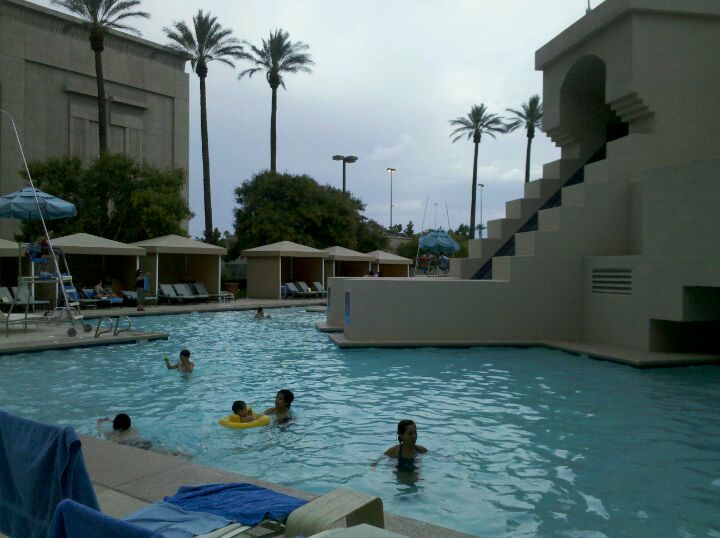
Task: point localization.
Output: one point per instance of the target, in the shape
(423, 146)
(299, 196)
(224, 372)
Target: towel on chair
(243, 503)
(173, 522)
(74, 520)
(40, 465)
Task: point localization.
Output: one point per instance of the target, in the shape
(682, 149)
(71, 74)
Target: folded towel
(74, 520)
(173, 522)
(244, 503)
(40, 465)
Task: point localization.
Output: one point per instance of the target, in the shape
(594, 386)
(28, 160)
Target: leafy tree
(115, 198)
(477, 123)
(395, 229)
(409, 229)
(208, 41)
(530, 117)
(278, 55)
(99, 16)
(463, 231)
(282, 207)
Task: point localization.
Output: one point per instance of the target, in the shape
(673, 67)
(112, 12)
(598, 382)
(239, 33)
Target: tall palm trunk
(527, 159)
(273, 130)
(97, 45)
(474, 193)
(202, 73)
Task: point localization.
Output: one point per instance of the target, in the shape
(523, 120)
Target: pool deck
(126, 479)
(593, 350)
(45, 337)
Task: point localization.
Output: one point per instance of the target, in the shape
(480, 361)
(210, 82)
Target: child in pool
(183, 365)
(260, 314)
(243, 412)
(283, 400)
(407, 450)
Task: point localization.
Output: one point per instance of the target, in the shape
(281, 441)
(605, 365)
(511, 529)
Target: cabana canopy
(270, 266)
(175, 244)
(345, 262)
(83, 243)
(391, 264)
(173, 259)
(342, 254)
(286, 249)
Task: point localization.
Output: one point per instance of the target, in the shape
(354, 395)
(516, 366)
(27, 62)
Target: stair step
(524, 244)
(501, 268)
(522, 208)
(574, 196)
(486, 246)
(501, 228)
(541, 188)
(560, 217)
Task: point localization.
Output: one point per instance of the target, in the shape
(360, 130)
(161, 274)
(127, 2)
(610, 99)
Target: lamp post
(392, 171)
(345, 160)
(481, 185)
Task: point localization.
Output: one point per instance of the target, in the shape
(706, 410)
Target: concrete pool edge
(141, 476)
(49, 343)
(625, 356)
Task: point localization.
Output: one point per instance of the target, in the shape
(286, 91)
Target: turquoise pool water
(523, 442)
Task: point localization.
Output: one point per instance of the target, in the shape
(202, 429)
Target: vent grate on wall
(614, 280)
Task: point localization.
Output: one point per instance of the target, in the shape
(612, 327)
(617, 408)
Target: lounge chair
(293, 291)
(131, 297)
(75, 299)
(102, 301)
(22, 298)
(167, 292)
(184, 291)
(200, 289)
(320, 289)
(306, 289)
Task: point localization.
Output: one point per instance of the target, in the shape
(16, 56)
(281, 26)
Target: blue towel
(40, 465)
(74, 520)
(243, 503)
(173, 522)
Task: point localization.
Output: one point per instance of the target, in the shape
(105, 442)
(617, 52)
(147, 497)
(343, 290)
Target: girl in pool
(283, 400)
(407, 450)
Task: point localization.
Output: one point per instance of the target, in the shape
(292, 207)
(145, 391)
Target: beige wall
(354, 268)
(631, 256)
(263, 278)
(204, 268)
(86, 269)
(392, 269)
(47, 82)
(306, 270)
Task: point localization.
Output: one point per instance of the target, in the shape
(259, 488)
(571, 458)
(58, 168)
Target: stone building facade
(47, 83)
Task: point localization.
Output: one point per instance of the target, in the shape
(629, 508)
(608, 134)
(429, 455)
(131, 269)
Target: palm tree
(477, 123)
(99, 16)
(278, 55)
(209, 42)
(529, 117)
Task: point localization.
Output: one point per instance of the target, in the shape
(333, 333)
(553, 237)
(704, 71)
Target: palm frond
(276, 56)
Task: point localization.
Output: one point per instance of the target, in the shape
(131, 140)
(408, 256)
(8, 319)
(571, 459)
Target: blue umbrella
(437, 241)
(22, 205)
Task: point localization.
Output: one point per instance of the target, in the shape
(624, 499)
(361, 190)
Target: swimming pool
(523, 442)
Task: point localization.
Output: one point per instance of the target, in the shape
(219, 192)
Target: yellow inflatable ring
(233, 421)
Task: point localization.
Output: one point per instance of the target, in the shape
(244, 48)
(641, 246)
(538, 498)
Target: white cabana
(172, 259)
(345, 262)
(390, 264)
(269, 266)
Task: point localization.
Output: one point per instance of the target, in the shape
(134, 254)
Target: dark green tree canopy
(282, 207)
(115, 198)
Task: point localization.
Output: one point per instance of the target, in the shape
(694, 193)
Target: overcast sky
(389, 75)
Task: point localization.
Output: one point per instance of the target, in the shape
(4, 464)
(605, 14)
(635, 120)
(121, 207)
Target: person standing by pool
(141, 288)
(283, 400)
(407, 450)
(183, 365)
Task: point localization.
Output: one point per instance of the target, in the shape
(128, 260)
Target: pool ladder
(114, 326)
